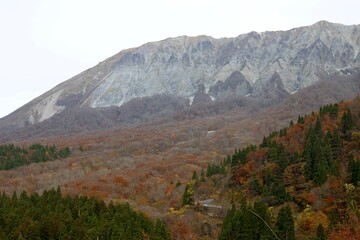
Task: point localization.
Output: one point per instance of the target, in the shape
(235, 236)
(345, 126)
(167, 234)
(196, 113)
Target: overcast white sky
(43, 43)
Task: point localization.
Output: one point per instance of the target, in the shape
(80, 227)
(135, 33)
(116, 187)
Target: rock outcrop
(264, 66)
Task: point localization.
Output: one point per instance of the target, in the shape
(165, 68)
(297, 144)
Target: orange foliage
(244, 172)
(351, 230)
(121, 181)
(181, 230)
(258, 156)
(308, 221)
(168, 191)
(311, 197)
(329, 199)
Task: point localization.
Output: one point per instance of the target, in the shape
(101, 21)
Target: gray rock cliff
(256, 65)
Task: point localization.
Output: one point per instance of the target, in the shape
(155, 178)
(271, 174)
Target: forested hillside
(53, 216)
(12, 156)
(301, 182)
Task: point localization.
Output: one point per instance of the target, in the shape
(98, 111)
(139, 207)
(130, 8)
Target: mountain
(140, 124)
(161, 78)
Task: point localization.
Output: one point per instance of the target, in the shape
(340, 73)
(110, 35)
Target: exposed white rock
(210, 133)
(46, 108)
(191, 100)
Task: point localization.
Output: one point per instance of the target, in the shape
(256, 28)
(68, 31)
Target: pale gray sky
(43, 43)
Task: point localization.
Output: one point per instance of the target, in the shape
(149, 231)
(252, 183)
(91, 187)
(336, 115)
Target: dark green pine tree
(263, 223)
(327, 150)
(336, 145)
(209, 170)
(265, 191)
(249, 228)
(330, 154)
(117, 232)
(223, 170)
(202, 175)
(188, 196)
(318, 128)
(347, 122)
(227, 160)
(244, 220)
(160, 232)
(281, 133)
(316, 165)
(279, 191)
(227, 231)
(195, 176)
(334, 218)
(254, 185)
(281, 157)
(242, 223)
(301, 119)
(285, 224)
(273, 152)
(291, 123)
(320, 233)
(308, 153)
(354, 171)
(320, 164)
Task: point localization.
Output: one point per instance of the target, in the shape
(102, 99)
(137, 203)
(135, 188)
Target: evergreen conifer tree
(347, 122)
(320, 233)
(195, 176)
(202, 175)
(188, 196)
(354, 171)
(160, 232)
(263, 232)
(285, 224)
(227, 231)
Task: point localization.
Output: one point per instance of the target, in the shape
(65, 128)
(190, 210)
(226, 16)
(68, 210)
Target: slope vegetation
(301, 182)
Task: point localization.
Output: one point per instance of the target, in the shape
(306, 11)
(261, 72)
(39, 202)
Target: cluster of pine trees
(240, 156)
(271, 186)
(213, 169)
(321, 153)
(12, 156)
(51, 216)
(254, 223)
(331, 109)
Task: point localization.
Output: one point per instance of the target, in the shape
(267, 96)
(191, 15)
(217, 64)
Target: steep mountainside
(311, 167)
(263, 67)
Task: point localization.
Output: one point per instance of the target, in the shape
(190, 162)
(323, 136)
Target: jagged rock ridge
(257, 65)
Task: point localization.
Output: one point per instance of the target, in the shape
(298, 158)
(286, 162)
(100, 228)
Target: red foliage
(311, 197)
(329, 199)
(244, 172)
(121, 181)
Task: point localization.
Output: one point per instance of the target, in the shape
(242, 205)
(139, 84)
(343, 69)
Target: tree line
(12, 156)
(53, 216)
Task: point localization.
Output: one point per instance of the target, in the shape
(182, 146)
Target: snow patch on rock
(191, 100)
(210, 133)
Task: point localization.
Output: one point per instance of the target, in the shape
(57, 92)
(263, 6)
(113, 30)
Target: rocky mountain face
(261, 67)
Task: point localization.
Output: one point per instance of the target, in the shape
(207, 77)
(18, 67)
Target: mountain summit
(253, 65)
